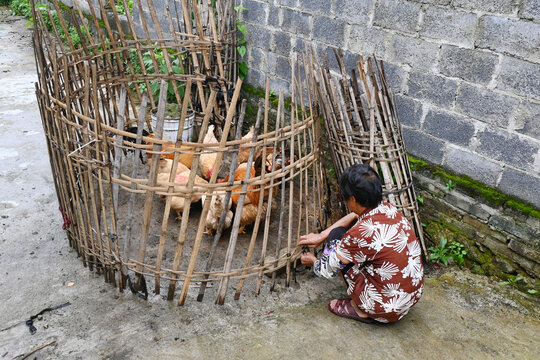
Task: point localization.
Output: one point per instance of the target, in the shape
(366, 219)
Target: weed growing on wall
(443, 253)
(241, 45)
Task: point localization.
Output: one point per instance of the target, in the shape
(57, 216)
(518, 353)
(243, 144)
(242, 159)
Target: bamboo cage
(119, 181)
(362, 127)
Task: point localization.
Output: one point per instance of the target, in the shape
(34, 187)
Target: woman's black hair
(362, 182)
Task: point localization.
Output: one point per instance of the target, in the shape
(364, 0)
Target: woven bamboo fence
(362, 126)
(118, 180)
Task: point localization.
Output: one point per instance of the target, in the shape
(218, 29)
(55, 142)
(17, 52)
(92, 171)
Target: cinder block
(258, 37)
(455, 27)
(434, 2)
(471, 65)
(329, 31)
(418, 53)
(485, 105)
(454, 128)
(255, 78)
(432, 88)
(473, 165)
(395, 77)
(518, 38)
(409, 111)
(283, 67)
(274, 16)
(296, 22)
(317, 6)
(271, 61)
(422, 145)
(255, 12)
(527, 119)
(356, 12)
(289, 3)
(509, 148)
(531, 10)
(397, 15)
(367, 41)
(277, 85)
(493, 6)
(282, 43)
(521, 77)
(256, 59)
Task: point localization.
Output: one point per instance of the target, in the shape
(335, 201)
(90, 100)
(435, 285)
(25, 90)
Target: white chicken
(214, 213)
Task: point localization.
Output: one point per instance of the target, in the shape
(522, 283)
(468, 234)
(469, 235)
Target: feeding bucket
(171, 124)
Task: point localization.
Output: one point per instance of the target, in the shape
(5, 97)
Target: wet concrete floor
(461, 315)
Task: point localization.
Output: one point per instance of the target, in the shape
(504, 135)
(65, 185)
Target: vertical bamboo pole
(206, 205)
(220, 299)
(148, 203)
(227, 199)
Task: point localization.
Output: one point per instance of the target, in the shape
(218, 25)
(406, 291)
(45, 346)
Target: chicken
(180, 182)
(249, 215)
(215, 212)
(243, 153)
(185, 157)
(165, 166)
(208, 158)
(239, 175)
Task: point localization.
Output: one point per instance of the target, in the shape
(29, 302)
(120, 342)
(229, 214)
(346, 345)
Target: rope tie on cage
(67, 221)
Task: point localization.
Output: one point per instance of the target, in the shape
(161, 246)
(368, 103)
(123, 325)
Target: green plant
(241, 44)
(23, 8)
(119, 5)
(439, 254)
(175, 61)
(457, 252)
(420, 199)
(443, 253)
(512, 281)
(450, 185)
(532, 291)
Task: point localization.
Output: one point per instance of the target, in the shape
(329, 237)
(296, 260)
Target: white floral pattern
(386, 278)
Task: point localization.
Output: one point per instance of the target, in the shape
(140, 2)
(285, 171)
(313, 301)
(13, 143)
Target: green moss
(476, 188)
(274, 99)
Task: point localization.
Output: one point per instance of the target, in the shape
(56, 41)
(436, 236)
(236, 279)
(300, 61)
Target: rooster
(215, 212)
(180, 182)
(208, 159)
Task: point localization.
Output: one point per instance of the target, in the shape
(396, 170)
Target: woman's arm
(313, 240)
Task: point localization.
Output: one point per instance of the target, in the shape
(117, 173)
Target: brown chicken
(249, 215)
(180, 182)
(214, 214)
(208, 158)
(186, 157)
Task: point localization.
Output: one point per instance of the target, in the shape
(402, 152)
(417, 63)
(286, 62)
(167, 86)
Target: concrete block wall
(466, 73)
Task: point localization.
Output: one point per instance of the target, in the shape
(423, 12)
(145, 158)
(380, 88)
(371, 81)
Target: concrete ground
(461, 315)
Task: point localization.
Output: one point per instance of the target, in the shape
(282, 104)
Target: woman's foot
(347, 308)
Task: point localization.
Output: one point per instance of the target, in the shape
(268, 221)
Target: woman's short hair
(362, 182)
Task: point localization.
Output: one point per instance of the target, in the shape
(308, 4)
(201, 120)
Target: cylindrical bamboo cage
(118, 179)
(362, 127)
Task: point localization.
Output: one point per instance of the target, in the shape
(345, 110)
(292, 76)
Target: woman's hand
(308, 259)
(311, 240)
